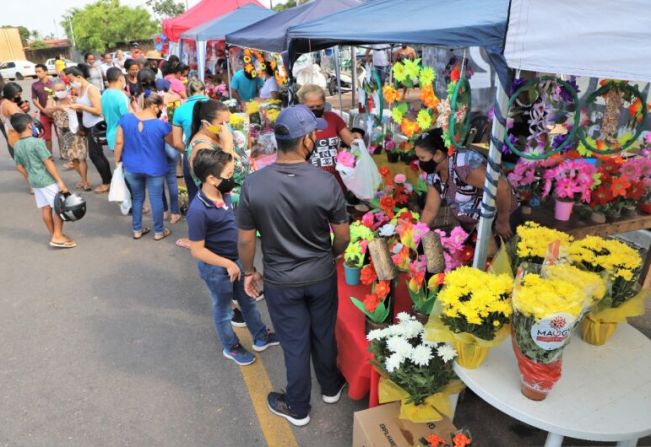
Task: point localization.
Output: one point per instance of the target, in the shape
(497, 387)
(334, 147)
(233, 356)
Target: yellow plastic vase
(596, 332)
(470, 355)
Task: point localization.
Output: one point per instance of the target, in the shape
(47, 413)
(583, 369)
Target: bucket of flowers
(621, 264)
(572, 181)
(472, 312)
(414, 371)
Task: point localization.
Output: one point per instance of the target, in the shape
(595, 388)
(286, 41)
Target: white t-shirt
(381, 55)
(270, 85)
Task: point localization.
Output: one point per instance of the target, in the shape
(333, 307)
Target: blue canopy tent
(217, 29)
(447, 23)
(270, 34)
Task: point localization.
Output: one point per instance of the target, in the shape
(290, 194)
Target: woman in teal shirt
(182, 129)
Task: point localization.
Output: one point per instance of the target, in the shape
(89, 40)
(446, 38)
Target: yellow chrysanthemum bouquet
(472, 313)
(533, 241)
(621, 265)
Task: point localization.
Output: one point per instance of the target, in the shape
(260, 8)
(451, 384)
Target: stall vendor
(459, 179)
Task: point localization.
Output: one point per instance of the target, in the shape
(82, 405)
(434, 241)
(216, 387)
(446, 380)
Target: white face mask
(62, 94)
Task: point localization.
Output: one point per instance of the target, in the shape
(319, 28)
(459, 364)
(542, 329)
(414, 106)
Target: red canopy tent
(202, 12)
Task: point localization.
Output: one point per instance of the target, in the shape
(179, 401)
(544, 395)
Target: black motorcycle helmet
(69, 207)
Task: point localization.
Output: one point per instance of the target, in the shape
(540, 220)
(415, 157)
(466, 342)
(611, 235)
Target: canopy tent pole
(493, 172)
(228, 69)
(201, 58)
(338, 74)
(354, 73)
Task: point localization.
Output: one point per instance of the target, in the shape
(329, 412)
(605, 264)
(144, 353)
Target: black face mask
(318, 112)
(428, 167)
(18, 100)
(309, 154)
(226, 185)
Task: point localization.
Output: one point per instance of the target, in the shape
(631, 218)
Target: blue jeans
(187, 176)
(222, 293)
(138, 183)
(304, 319)
(170, 179)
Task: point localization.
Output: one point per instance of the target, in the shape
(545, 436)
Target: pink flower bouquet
(572, 180)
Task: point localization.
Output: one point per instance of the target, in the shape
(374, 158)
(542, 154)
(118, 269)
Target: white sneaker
(334, 398)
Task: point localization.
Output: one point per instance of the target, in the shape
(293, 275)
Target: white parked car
(18, 69)
(51, 68)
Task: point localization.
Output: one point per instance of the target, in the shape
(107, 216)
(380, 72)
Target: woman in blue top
(182, 129)
(140, 145)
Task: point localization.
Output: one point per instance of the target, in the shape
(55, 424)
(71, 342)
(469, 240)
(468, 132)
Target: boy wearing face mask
(72, 143)
(213, 242)
(328, 141)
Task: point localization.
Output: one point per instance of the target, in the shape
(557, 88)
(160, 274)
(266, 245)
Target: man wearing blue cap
(293, 205)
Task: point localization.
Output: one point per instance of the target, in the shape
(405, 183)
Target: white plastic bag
(119, 191)
(364, 179)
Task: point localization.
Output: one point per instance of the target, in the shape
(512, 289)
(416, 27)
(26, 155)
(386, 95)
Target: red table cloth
(352, 347)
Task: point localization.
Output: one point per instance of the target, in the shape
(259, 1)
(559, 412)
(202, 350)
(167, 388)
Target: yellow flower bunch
(593, 284)
(475, 295)
(599, 254)
(272, 115)
(252, 107)
(236, 121)
(534, 239)
(540, 297)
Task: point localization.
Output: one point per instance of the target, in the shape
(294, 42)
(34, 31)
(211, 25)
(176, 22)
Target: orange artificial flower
(619, 186)
(440, 279)
(435, 441)
(371, 302)
(385, 172)
(382, 289)
(387, 204)
(409, 128)
(428, 97)
(461, 440)
(368, 275)
(390, 94)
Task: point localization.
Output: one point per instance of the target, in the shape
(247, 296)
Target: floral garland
(547, 105)
(407, 74)
(254, 63)
(605, 139)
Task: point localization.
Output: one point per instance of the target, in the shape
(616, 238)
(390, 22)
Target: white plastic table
(604, 393)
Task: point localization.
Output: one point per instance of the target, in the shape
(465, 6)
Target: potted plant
(621, 265)
(376, 305)
(572, 181)
(423, 294)
(472, 313)
(545, 311)
(414, 371)
(355, 253)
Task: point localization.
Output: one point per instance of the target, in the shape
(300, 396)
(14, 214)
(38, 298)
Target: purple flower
(558, 140)
(517, 83)
(565, 94)
(506, 150)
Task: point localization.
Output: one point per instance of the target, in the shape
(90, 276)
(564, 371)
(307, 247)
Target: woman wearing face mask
(328, 141)
(459, 179)
(89, 103)
(11, 104)
(140, 145)
(72, 145)
(209, 130)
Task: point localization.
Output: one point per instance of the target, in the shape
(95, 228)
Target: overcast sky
(45, 15)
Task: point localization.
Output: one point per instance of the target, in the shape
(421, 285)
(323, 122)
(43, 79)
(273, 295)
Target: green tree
(104, 24)
(25, 34)
(166, 8)
(283, 6)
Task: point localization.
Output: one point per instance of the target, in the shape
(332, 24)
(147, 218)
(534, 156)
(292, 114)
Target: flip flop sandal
(65, 244)
(141, 233)
(160, 236)
(175, 218)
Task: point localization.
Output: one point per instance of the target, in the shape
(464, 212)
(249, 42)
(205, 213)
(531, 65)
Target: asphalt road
(112, 343)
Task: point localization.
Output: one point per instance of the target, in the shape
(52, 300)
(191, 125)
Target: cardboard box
(380, 427)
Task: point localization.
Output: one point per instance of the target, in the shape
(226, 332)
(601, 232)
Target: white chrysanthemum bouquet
(417, 366)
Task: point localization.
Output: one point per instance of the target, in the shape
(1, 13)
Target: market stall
(218, 28)
(590, 283)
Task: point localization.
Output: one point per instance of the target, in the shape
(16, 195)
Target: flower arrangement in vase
(572, 181)
(414, 371)
(621, 265)
(472, 313)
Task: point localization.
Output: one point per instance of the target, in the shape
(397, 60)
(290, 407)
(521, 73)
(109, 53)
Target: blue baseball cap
(299, 121)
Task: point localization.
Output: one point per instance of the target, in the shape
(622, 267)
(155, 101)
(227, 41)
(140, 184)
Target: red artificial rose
(371, 302)
(388, 204)
(382, 289)
(368, 275)
(385, 172)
